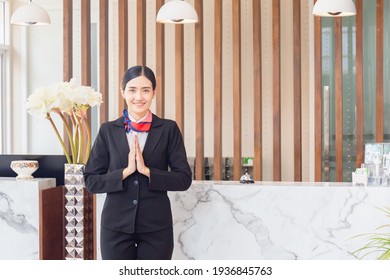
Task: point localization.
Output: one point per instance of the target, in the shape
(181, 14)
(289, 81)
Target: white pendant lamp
(30, 14)
(334, 8)
(178, 12)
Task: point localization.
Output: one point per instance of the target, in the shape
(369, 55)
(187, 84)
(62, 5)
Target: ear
(154, 92)
(123, 93)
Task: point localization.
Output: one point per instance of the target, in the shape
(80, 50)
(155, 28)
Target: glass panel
(369, 69)
(328, 67)
(349, 96)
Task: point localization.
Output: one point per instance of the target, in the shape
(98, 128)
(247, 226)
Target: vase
(79, 214)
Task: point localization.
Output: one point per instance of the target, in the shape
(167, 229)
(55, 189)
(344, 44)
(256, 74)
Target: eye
(146, 90)
(132, 90)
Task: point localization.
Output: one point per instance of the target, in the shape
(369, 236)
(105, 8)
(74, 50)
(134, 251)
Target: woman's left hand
(140, 160)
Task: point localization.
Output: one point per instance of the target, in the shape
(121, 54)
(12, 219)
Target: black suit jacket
(138, 203)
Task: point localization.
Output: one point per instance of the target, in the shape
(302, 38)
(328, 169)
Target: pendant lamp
(30, 14)
(334, 8)
(178, 12)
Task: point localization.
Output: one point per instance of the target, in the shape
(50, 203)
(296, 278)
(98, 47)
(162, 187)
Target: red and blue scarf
(143, 126)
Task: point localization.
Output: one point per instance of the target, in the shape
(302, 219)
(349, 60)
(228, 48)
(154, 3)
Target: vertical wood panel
(103, 59)
(86, 42)
(90, 230)
(339, 98)
(237, 89)
(141, 32)
(276, 90)
(122, 47)
(179, 76)
(297, 91)
(199, 89)
(68, 39)
(160, 61)
(67, 53)
(217, 89)
(359, 84)
(379, 70)
(317, 99)
(257, 72)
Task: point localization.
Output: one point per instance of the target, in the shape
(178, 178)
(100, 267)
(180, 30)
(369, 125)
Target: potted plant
(377, 243)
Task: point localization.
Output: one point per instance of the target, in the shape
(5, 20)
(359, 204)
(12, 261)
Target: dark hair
(137, 71)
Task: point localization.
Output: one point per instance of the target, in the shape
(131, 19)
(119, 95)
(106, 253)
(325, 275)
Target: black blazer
(138, 203)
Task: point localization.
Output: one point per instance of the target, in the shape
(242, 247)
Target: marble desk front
(20, 217)
(273, 220)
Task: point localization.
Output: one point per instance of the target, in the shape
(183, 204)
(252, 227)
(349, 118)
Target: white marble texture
(274, 221)
(19, 217)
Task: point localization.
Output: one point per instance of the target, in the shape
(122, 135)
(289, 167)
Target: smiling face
(139, 95)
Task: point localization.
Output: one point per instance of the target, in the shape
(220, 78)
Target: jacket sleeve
(98, 178)
(178, 178)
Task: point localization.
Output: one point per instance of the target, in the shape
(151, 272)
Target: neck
(137, 117)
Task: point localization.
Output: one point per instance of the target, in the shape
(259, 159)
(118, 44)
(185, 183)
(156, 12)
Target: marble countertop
(41, 183)
(277, 184)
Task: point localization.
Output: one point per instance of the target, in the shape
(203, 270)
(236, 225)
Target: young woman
(136, 159)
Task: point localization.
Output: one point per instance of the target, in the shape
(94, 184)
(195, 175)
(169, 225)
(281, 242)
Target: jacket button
(135, 183)
(135, 202)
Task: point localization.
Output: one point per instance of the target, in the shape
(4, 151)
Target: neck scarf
(142, 126)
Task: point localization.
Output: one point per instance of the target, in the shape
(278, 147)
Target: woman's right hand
(131, 166)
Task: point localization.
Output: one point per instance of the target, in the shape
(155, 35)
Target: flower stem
(59, 138)
(88, 149)
(70, 136)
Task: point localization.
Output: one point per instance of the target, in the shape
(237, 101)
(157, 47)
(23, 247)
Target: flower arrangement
(71, 102)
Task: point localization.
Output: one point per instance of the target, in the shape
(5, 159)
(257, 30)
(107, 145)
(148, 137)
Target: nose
(138, 95)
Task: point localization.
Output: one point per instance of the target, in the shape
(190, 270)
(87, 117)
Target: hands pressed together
(135, 160)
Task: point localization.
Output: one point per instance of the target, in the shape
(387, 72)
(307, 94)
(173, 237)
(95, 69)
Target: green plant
(377, 243)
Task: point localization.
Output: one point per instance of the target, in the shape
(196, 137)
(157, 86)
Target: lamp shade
(30, 14)
(178, 12)
(334, 8)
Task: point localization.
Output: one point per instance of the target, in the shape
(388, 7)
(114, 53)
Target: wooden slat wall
(141, 32)
(379, 70)
(217, 89)
(237, 89)
(199, 89)
(317, 99)
(179, 76)
(297, 91)
(276, 90)
(103, 59)
(359, 84)
(160, 63)
(339, 97)
(257, 91)
(122, 46)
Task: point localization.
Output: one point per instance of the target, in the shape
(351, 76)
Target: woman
(129, 161)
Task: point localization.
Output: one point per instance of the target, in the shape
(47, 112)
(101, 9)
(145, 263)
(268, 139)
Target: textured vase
(78, 215)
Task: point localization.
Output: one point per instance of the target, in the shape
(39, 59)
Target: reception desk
(272, 220)
(30, 219)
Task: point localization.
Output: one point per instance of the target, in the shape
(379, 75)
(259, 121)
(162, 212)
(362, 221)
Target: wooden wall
(251, 99)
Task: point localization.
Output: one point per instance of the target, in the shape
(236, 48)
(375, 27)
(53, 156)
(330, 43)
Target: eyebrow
(137, 87)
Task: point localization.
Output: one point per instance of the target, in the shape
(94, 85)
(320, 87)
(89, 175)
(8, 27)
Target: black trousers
(157, 245)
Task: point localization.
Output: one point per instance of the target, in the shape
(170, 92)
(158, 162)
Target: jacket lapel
(153, 137)
(121, 143)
